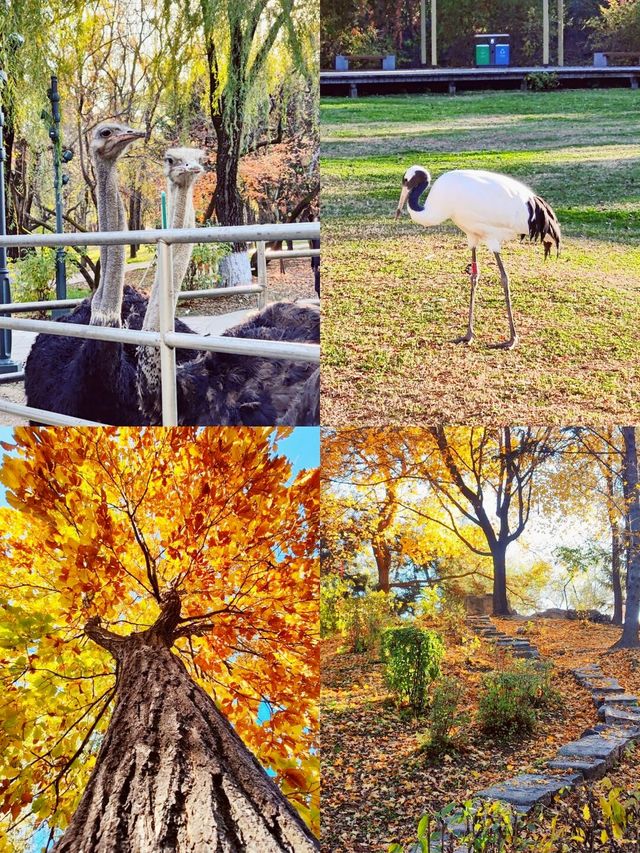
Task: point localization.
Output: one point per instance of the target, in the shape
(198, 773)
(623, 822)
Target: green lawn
(396, 294)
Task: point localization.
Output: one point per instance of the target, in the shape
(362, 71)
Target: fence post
(262, 274)
(167, 353)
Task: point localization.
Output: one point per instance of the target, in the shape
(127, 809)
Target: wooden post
(561, 32)
(434, 33)
(545, 32)
(423, 32)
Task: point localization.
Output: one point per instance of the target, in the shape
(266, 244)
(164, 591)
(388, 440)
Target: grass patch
(397, 294)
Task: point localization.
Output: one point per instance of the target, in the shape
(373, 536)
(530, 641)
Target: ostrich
(42, 379)
(490, 209)
(94, 380)
(219, 388)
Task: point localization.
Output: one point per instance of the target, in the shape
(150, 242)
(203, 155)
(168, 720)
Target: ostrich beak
(131, 134)
(402, 201)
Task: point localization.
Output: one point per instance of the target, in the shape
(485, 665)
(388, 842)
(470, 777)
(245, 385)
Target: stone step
(593, 748)
(587, 671)
(603, 685)
(628, 734)
(619, 714)
(529, 789)
(527, 654)
(588, 768)
(607, 698)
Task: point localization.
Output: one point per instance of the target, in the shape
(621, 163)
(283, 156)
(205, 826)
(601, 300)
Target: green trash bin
(483, 54)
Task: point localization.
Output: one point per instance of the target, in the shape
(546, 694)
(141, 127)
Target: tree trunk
(616, 582)
(630, 638)
(135, 224)
(617, 545)
(235, 268)
(500, 601)
(172, 776)
(382, 556)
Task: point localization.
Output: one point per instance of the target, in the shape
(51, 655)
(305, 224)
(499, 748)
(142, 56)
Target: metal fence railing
(166, 339)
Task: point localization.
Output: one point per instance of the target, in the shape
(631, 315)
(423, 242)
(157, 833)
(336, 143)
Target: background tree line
(236, 79)
(394, 25)
(416, 511)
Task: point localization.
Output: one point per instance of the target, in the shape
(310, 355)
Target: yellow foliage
(104, 522)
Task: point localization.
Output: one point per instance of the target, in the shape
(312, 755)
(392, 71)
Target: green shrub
(203, 269)
(542, 81)
(510, 700)
(444, 714)
(412, 658)
(333, 590)
(33, 276)
(363, 617)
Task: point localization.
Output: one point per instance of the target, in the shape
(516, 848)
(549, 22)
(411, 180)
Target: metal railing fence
(166, 339)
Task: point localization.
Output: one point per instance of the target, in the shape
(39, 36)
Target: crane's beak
(401, 203)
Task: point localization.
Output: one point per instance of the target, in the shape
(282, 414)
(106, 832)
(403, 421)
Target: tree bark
(616, 582)
(172, 776)
(135, 221)
(616, 550)
(630, 638)
(500, 601)
(382, 556)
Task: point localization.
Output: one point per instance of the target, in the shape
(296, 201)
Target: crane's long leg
(475, 274)
(513, 340)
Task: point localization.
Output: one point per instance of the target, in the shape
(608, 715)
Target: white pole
(561, 32)
(545, 32)
(423, 32)
(167, 353)
(434, 33)
(262, 274)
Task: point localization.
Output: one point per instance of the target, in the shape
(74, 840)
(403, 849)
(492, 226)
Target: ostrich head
(182, 166)
(110, 140)
(416, 180)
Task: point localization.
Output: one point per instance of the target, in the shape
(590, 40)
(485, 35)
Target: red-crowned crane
(490, 209)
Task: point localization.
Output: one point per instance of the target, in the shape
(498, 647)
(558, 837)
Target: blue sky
(302, 447)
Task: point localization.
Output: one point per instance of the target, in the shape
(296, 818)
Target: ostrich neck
(182, 216)
(107, 301)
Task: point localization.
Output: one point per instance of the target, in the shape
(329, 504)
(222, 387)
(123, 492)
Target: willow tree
(25, 33)
(158, 634)
(240, 40)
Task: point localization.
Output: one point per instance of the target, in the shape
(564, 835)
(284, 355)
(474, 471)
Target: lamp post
(7, 365)
(434, 33)
(560, 32)
(545, 32)
(60, 156)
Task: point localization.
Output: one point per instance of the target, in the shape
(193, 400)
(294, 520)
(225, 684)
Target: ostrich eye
(104, 133)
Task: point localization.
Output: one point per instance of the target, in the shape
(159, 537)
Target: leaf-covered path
(376, 781)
